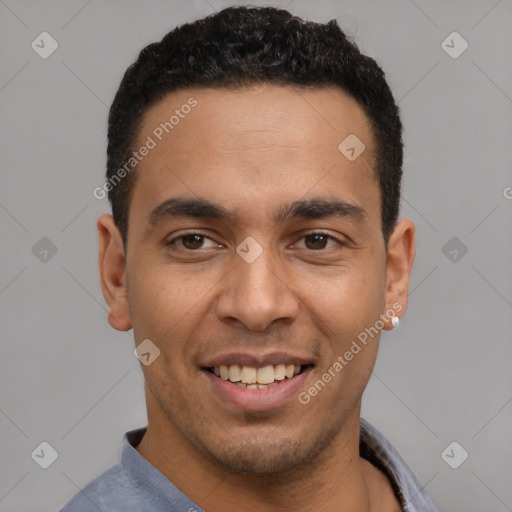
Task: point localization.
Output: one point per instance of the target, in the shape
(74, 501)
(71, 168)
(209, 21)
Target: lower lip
(258, 399)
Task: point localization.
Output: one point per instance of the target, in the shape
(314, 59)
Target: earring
(395, 321)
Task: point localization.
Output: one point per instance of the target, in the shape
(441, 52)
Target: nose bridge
(254, 292)
(261, 274)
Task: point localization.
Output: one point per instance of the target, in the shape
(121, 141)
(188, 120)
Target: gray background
(68, 379)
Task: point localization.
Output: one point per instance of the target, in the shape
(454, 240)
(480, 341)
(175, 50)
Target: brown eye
(192, 241)
(317, 241)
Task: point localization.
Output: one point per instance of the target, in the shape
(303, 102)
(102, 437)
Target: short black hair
(242, 46)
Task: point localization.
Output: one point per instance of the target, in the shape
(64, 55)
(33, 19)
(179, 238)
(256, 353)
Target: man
(254, 170)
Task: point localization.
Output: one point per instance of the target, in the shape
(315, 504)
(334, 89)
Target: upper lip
(256, 360)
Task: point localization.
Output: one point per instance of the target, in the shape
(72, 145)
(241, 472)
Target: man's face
(205, 302)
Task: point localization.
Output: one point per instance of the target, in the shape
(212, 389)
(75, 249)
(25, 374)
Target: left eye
(317, 241)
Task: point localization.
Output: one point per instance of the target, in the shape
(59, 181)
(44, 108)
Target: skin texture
(253, 150)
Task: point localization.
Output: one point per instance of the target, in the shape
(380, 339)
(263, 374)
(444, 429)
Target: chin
(263, 458)
(267, 454)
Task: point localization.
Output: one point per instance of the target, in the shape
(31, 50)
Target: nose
(255, 295)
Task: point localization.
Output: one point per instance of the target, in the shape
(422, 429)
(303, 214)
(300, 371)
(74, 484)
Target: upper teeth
(251, 375)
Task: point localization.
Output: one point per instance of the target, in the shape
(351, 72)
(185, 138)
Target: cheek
(346, 309)
(163, 304)
(349, 299)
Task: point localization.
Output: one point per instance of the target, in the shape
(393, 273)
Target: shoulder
(111, 491)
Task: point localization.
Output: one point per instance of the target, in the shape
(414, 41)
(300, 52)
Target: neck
(337, 478)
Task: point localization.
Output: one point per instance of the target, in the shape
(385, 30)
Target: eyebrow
(314, 208)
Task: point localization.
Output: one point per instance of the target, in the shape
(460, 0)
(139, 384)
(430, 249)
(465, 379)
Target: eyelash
(312, 233)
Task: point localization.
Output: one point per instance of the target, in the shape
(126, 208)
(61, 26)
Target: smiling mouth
(257, 378)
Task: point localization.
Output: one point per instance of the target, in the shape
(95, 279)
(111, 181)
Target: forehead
(256, 144)
(305, 118)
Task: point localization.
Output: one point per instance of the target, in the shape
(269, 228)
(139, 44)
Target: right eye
(191, 241)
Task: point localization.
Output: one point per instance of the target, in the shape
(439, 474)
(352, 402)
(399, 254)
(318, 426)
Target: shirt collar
(375, 448)
(148, 481)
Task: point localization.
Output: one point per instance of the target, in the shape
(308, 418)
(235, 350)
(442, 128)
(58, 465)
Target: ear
(112, 268)
(400, 259)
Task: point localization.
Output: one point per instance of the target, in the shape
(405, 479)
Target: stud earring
(395, 321)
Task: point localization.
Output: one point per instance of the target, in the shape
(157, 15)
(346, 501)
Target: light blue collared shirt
(135, 485)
